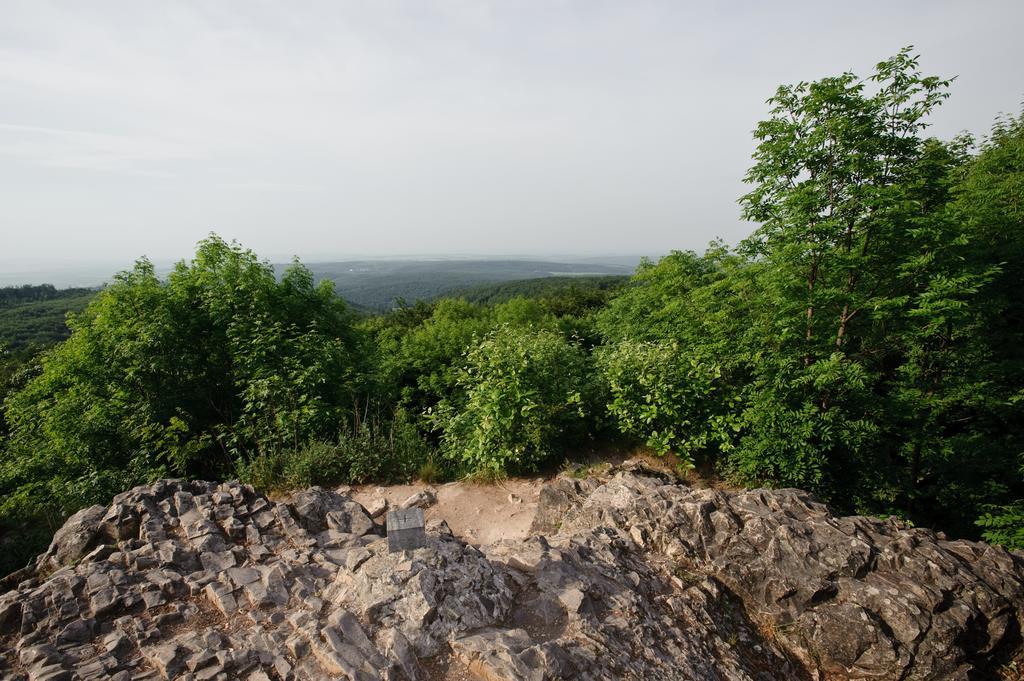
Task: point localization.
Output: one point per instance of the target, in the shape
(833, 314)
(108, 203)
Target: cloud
(433, 126)
(62, 148)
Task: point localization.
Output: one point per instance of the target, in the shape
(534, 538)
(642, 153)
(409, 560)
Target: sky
(335, 130)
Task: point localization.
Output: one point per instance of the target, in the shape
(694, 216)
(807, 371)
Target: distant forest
(35, 315)
(379, 285)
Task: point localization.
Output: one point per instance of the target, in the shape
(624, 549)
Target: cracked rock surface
(626, 577)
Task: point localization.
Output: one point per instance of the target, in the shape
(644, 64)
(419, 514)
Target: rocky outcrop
(628, 577)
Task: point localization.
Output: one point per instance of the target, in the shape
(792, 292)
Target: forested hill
(35, 315)
(543, 287)
(377, 284)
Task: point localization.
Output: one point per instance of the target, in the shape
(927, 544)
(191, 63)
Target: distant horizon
(95, 273)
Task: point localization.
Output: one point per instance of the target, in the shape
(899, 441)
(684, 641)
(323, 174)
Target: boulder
(848, 596)
(72, 541)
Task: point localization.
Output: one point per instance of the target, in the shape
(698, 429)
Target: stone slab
(405, 530)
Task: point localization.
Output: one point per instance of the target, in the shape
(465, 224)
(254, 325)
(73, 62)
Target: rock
(495, 653)
(311, 507)
(555, 499)
(439, 527)
(356, 557)
(72, 541)
(168, 659)
(632, 577)
(377, 507)
(423, 499)
(76, 631)
(572, 599)
(848, 596)
(240, 576)
(350, 518)
(217, 561)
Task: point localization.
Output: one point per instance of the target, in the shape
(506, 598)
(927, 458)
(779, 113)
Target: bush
(420, 349)
(672, 401)
(220, 361)
(526, 394)
(395, 453)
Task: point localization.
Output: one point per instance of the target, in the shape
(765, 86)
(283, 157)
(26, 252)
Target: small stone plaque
(405, 530)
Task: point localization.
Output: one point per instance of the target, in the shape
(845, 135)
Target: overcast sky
(341, 129)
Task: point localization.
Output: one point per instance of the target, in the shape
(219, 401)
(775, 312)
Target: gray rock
(312, 507)
(495, 654)
(425, 498)
(351, 518)
(633, 577)
(72, 541)
(847, 596)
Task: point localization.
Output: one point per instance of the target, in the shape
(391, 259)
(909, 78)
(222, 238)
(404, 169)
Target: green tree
(839, 191)
(188, 376)
(988, 198)
(419, 350)
(866, 339)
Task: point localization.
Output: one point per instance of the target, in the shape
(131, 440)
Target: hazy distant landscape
(34, 314)
(377, 284)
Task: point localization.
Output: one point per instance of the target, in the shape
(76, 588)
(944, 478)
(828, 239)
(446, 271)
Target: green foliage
(395, 453)
(1004, 525)
(13, 296)
(429, 471)
(867, 337)
(420, 349)
(418, 353)
(562, 295)
(36, 315)
(525, 394)
(863, 276)
(17, 366)
(787, 437)
(665, 396)
(216, 365)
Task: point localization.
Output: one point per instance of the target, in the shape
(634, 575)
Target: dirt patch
(540, 615)
(445, 667)
(482, 513)
(478, 513)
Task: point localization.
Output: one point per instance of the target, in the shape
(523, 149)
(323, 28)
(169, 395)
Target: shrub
(372, 453)
(219, 361)
(672, 401)
(526, 394)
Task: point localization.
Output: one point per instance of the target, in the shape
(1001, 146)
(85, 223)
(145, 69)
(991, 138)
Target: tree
(843, 197)
(988, 199)
(187, 376)
(865, 341)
